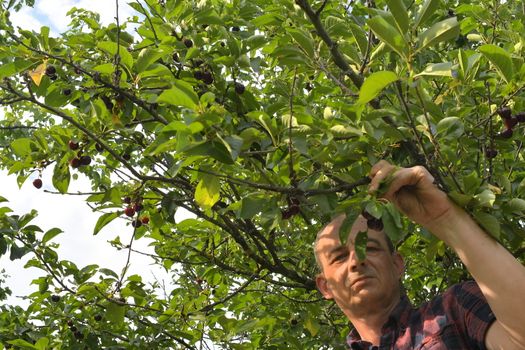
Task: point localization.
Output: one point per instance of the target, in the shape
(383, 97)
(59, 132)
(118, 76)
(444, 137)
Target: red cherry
(72, 145)
(510, 122)
(520, 117)
(37, 183)
(129, 211)
(506, 134)
(138, 207)
(504, 112)
(75, 162)
(145, 220)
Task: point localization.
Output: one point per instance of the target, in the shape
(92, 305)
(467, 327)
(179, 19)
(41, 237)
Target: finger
(381, 176)
(378, 166)
(416, 176)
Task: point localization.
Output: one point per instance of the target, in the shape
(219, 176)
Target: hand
(412, 191)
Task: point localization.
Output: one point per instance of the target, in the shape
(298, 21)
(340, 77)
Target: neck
(370, 322)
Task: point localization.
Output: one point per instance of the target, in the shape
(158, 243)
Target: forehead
(329, 237)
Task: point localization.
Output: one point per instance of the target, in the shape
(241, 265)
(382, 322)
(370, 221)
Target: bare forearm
(499, 275)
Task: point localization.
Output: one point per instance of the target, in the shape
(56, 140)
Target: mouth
(359, 280)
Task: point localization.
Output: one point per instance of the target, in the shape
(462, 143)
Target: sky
(68, 212)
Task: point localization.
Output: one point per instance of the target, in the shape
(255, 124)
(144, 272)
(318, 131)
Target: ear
(399, 264)
(323, 287)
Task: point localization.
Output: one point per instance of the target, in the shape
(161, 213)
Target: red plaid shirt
(457, 319)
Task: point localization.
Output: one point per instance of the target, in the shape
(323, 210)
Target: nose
(353, 261)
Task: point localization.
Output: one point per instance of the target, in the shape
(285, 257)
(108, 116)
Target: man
(488, 314)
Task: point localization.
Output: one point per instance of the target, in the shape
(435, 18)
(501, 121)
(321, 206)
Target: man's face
(357, 286)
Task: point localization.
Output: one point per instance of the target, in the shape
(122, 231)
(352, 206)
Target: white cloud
(53, 13)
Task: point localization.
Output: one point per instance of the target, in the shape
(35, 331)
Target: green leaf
(111, 48)
(61, 175)
(213, 149)
(147, 57)
(489, 223)
(460, 199)
(207, 192)
(399, 11)
(427, 10)
(374, 84)
(12, 68)
(22, 343)
(181, 94)
(445, 30)
(443, 69)
(361, 239)
(42, 343)
(517, 205)
(115, 313)
(500, 59)
(450, 128)
(304, 39)
(21, 147)
(392, 223)
(251, 206)
(486, 198)
(17, 252)
(103, 220)
(49, 235)
(389, 35)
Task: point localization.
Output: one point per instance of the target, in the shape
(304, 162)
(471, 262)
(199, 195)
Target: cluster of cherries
(510, 121)
(372, 222)
(80, 159)
(132, 208)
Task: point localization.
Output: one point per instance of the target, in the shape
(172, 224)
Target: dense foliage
(262, 118)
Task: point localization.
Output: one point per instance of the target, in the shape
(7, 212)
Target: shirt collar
(398, 318)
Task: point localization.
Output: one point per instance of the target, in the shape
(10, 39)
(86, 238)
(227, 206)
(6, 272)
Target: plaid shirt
(457, 319)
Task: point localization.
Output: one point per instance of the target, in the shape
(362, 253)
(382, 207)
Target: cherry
(504, 112)
(37, 183)
(175, 57)
(188, 43)
(129, 211)
(66, 92)
(207, 78)
(367, 215)
(235, 29)
(292, 210)
(136, 223)
(55, 298)
(127, 200)
(145, 220)
(85, 160)
(198, 75)
(491, 153)
(75, 162)
(72, 145)
(99, 147)
(374, 224)
(79, 335)
(506, 134)
(70, 323)
(510, 122)
(50, 71)
(520, 117)
(138, 207)
(239, 88)
(98, 318)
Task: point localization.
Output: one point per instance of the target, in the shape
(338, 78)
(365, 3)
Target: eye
(372, 249)
(340, 257)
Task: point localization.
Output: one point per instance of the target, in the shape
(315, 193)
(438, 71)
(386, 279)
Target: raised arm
(499, 275)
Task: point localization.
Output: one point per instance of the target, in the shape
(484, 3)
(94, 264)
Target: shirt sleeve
(472, 312)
